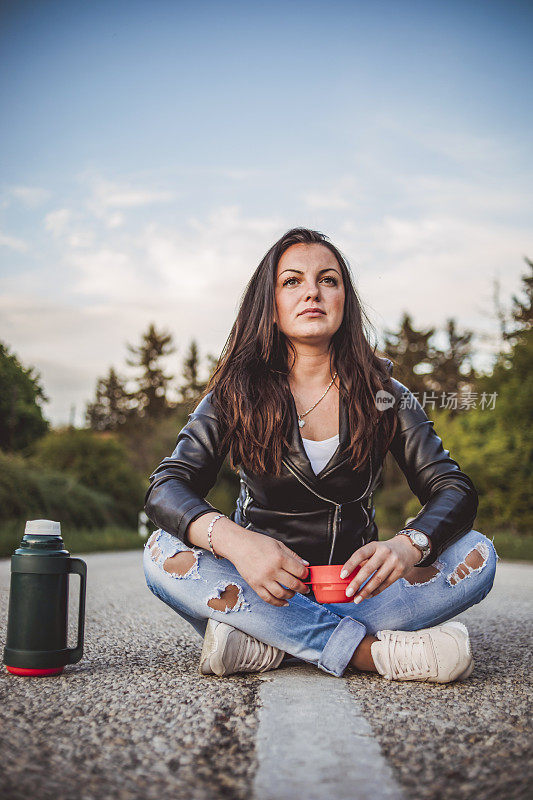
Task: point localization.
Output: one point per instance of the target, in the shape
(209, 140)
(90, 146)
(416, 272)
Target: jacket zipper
(366, 515)
(369, 506)
(246, 503)
(337, 515)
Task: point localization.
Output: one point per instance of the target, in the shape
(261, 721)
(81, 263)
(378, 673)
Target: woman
(307, 411)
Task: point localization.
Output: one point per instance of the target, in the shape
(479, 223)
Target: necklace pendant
(301, 422)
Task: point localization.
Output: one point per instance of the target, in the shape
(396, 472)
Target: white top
(319, 453)
(44, 527)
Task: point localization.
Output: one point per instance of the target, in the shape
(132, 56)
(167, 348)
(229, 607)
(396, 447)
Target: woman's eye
(327, 278)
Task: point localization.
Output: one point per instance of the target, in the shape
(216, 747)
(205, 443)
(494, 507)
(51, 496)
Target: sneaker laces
(254, 655)
(408, 655)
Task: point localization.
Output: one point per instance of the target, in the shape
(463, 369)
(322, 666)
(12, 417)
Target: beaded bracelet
(210, 528)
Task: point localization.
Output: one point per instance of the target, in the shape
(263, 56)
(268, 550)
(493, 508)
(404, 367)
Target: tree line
(101, 470)
(419, 363)
(115, 406)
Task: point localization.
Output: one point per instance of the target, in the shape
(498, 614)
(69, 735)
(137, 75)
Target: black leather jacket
(325, 517)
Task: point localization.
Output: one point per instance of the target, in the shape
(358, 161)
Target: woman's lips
(312, 313)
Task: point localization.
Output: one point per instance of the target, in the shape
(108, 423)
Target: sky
(152, 152)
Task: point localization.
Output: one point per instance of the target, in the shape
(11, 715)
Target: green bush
(496, 458)
(77, 540)
(96, 460)
(150, 441)
(21, 416)
(27, 492)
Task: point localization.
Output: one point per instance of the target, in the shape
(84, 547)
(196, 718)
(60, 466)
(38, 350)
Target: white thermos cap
(43, 527)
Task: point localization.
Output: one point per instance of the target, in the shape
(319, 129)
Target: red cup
(327, 584)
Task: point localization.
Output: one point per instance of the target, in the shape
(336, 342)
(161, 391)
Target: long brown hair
(250, 385)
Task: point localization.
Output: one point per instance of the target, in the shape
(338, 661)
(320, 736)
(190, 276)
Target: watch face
(420, 539)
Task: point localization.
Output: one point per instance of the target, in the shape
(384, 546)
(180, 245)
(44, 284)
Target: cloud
(13, 243)
(326, 200)
(198, 261)
(433, 253)
(336, 197)
(70, 227)
(82, 343)
(236, 174)
(107, 272)
(79, 346)
(108, 198)
(459, 147)
(436, 267)
(462, 197)
(30, 195)
(186, 280)
(210, 258)
(58, 221)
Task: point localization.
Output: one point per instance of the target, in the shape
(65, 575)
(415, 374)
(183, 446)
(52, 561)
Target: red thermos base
(29, 672)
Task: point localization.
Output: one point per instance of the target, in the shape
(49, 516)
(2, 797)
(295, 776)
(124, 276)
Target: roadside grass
(509, 546)
(513, 547)
(76, 541)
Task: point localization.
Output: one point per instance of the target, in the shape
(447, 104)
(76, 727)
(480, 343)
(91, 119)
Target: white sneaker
(227, 649)
(440, 654)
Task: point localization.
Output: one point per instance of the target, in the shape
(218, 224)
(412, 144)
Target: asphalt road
(134, 719)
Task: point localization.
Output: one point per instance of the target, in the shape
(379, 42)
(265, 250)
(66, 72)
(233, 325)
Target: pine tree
(112, 406)
(191, 386)
(212, 363)
(522, 312)
(495, 441)
(512, 376)
(151, 395)
(21, 416)
(449, 374)
(410, 349)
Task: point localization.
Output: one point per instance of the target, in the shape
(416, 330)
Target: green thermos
(37, 622)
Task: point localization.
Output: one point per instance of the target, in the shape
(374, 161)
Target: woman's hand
(392, 560)
(265, 564)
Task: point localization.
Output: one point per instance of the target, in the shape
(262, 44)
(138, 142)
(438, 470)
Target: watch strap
(424, 551)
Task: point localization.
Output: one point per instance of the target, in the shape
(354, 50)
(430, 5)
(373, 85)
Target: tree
(522, 312)
(112, 406)
(191, 387)
(98, 461)
(512, 375)
(494, 444)
(410, 349)
(212, 363)
(21, 417)
(151, 396)
(448, 373)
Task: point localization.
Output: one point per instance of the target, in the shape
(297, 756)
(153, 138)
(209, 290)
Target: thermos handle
(79, 567)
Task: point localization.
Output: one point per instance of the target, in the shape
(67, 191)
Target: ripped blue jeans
(190, 579)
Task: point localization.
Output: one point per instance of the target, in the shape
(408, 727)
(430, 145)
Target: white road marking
(314, 743)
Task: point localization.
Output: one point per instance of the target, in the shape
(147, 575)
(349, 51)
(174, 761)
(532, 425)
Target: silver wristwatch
(419, 539)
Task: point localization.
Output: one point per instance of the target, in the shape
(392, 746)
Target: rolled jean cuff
(340, 646)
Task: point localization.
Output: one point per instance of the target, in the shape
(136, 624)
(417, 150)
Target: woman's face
(309, 276)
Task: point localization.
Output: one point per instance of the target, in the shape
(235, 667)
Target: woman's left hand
(392, 560)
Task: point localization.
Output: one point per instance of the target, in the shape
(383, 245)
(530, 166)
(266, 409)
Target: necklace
(301, 420)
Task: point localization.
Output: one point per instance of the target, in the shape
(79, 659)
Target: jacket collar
(297, 456)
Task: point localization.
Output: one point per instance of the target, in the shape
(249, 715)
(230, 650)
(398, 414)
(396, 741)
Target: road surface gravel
(134, 720)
